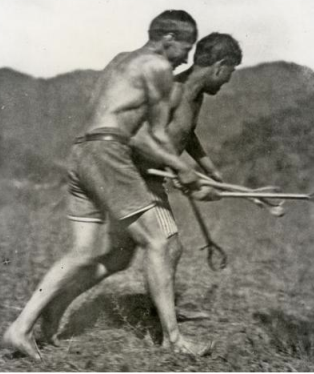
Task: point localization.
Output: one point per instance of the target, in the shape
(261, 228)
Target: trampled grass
(261, 306)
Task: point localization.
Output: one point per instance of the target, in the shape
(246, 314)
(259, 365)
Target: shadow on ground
(135, 312)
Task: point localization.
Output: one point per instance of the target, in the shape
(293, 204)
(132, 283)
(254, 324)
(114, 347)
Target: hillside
(39, 120)
(40, 117)
(260, 91)
(259, 128)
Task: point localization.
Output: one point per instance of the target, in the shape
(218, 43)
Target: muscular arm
(143, 142)
(157, 145)
(146, 145)
(197, 152)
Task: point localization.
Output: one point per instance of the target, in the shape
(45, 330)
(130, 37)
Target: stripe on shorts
(164, 215)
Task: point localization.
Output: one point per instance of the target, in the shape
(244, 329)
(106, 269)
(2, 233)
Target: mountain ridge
(40, 117)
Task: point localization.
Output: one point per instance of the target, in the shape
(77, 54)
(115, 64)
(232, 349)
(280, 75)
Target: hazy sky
(48, 37)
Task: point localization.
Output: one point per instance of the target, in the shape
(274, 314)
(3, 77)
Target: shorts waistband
(103, 134)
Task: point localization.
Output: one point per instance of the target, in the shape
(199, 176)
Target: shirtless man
(135, 87)
(215, 59)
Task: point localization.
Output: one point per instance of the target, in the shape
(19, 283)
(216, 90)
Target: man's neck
(155, 47)
(194, 86)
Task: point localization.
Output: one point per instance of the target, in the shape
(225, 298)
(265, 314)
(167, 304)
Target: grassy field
(261, 306)
(259, 131)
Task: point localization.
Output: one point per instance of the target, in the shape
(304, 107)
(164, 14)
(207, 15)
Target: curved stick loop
(211, 246)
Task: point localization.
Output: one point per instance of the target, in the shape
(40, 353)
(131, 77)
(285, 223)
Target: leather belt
(102, 137)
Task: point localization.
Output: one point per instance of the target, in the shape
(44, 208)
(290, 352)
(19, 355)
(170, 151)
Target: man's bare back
(121, 92)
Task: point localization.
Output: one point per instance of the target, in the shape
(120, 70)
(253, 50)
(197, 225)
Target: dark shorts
(104, 180)
(162, 211)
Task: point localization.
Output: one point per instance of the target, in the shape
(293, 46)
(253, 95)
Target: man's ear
(169, 37)
(218, 65)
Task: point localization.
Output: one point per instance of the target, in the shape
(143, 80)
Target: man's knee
(146, 232)
(88, 265)
(157, 244)
(83, 257)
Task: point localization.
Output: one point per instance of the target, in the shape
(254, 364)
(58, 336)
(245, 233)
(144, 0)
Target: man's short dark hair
(216, 47)
(170, 21)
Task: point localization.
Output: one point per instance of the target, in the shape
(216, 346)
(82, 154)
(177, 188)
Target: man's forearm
(207, 165)
(157, 150)
(197, 152)
(169, 154)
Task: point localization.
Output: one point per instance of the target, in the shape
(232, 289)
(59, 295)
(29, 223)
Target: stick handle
(210, 182)
(267, 195)
(161, 173)
(237, 191)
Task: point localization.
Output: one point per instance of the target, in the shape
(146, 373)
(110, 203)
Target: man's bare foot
(24, 343)
(182, 345)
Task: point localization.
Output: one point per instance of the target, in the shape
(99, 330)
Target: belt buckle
(108, 137)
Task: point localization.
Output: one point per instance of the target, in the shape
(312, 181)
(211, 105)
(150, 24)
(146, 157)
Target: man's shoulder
(153, 62)
(139, 62)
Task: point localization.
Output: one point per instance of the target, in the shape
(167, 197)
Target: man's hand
(188, 179)
(194, 187)
(205, 193)
(215, 175)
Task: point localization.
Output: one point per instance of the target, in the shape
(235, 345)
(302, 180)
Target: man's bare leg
(65, 273)
(20, 334)
(146, 232)
(175, 254)
(120, 253)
